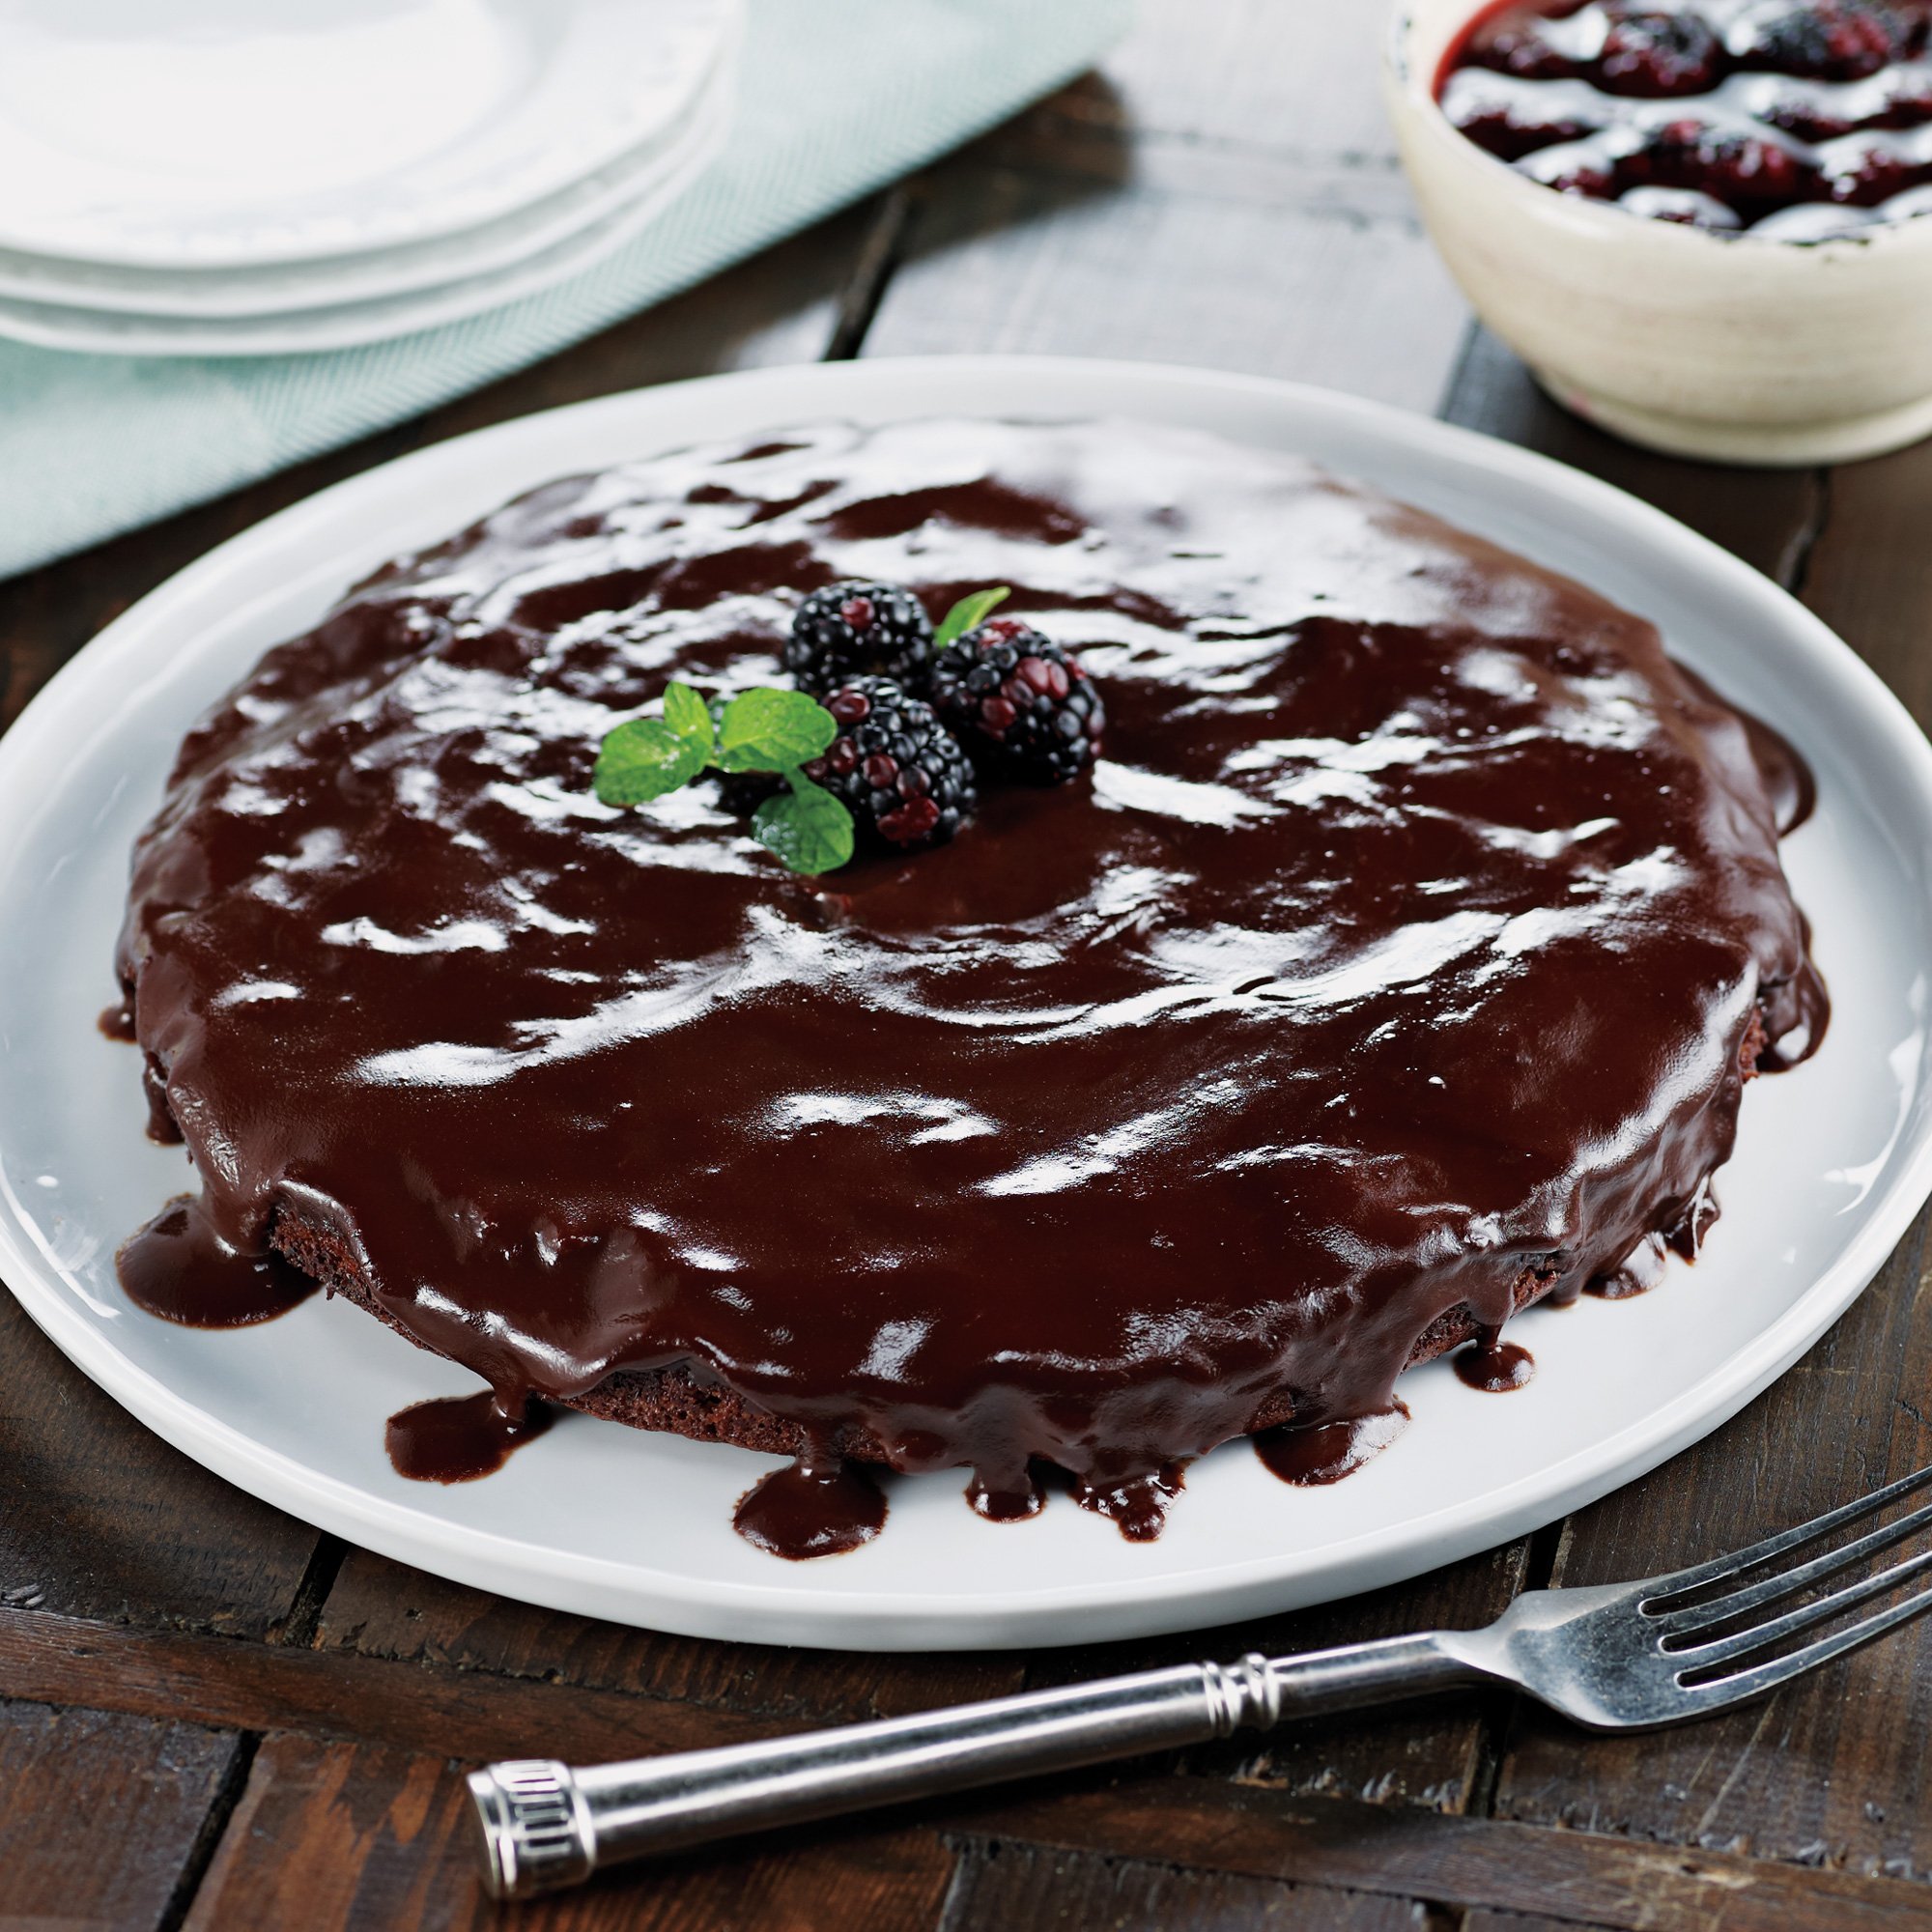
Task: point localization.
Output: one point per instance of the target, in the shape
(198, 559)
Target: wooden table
(215, 1717)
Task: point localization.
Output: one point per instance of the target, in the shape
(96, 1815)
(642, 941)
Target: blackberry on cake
(856, 629)
(894, 767)
(1023, 707)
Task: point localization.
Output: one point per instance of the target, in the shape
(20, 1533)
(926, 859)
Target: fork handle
(546, 1825)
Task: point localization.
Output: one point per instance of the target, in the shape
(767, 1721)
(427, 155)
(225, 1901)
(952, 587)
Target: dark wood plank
(1483, 1920)
(1832, 1770)
(1771, 518)
(1179, 210)
(260, 1686)
(383, 1609)
(1236, 74)
(1020, 1887)
(1575, 1878)
(99, 1517)
(1870, 570)
(101, 1818)
(331, 1835)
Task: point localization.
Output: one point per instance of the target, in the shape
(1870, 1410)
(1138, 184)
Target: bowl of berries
(1705, 224)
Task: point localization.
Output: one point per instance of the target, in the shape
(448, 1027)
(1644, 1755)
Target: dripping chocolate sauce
(926, 1155)
(1135, 1505)
(458, 1438)
(817, 1506)
(179, 1268)
(1006, 1500)
(1492, 1365)
(1312, 1455)
(1642, 1268)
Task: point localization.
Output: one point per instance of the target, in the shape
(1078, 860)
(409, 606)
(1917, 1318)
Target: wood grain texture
(1021, 1888)
(1483, 1920)
(1172, 212)
(1869, 573)
(338, 1836)
(385, 1610)
(101, 1818)
(1574, 1878)
(260, 1686)
(100, 1517)
(1236, 73)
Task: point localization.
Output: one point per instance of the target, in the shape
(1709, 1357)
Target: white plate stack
(230, 178)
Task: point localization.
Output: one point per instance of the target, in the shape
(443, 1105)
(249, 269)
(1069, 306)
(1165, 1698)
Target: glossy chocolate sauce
(459, 1437)
(1494, 1366)
(178, 1268)
(1404, 942)
(813, 1507)
(1642, 1268)
(1318, 1453)
(1014, 1502)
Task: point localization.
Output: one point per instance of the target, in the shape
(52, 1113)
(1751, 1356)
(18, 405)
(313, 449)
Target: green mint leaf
(768, 730)
(807, 827)
(644, 760)
(688, 716)
(968, 614)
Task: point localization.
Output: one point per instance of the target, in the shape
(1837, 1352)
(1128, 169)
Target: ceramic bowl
(1726, 346)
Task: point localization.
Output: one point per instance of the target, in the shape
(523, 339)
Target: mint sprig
(807, 827)
(767, 731)
(762, 730)
(968, 614)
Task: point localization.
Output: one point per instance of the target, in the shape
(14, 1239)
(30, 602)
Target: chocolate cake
(1400, 962)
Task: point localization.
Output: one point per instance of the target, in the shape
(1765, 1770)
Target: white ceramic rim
(898, 388)
(260, 293)
(601, 138)
(305, 329)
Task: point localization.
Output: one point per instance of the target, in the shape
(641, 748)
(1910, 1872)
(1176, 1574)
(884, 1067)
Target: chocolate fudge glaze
(1402, 959)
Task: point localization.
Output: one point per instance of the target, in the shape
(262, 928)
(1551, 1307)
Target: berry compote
(1792, 121)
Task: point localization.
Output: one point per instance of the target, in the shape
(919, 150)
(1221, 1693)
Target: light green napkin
(836, 98)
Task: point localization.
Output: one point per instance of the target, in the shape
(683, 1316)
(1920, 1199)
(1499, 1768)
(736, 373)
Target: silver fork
(1623, 1657)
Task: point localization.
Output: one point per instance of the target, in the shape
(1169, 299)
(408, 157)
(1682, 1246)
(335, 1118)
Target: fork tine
(1786, 1582)
(1735, 1689)
(1678, 1581)
(1741, 1643)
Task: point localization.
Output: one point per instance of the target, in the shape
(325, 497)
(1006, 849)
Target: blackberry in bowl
(1695, 220)
(1770, 105)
